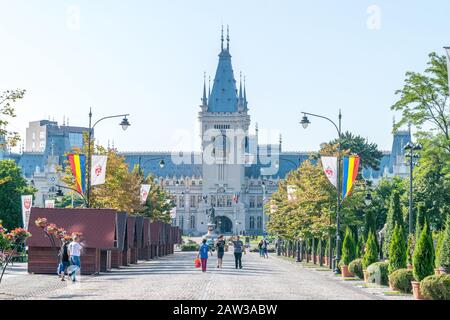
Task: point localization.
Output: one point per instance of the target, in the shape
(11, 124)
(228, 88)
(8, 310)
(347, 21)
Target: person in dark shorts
(220, 245)
(63, 259)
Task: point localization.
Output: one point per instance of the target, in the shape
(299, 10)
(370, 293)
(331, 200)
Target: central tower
(224, 122)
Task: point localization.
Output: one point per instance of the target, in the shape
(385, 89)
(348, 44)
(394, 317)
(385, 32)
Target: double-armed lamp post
(305, 122)
(124, 124)
(412, 158)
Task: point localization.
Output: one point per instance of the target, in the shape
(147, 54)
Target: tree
(423, 99)
(159, 203)
(397, 250)
(394, 217)
(11, 190)
(420, 219)
(369, 154)
(121, 190)
(444, 254)
(423, 259)
(7, 99)
(348, 249)
(370, 252)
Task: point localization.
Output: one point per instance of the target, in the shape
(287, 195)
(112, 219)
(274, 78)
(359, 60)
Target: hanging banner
(173, 213)
(50, 204)
(349, 174)
(145, 189)
(77, 163)
(27, 203)
(98, 170)
(291, 189)
(329, 165)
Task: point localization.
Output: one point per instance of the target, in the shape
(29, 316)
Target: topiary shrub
(436, 287)
(397, 250)
(423, 258)
(355, 267)
(370, 252)
(444, 250)
(401, 280)
(440, 241)
(410, 249)
(348, 249)
(393, 218)
(378, 273)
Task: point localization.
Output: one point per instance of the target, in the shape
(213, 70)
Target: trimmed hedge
(378, 273)
(401, 280)
(355, 267)
(436, 287)
(190, 247)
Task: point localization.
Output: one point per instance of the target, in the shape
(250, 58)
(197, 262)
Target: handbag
(197, 263)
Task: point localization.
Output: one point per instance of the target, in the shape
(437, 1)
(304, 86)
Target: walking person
(63, 259)
(220, 245)
(261, 250)
(203, 254)
(74, 254)
(265, 245)
(238, 246)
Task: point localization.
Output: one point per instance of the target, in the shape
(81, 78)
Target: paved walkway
(174, 277)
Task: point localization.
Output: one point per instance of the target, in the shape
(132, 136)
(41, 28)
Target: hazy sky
(147, 58)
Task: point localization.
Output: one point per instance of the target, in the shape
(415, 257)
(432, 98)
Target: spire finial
(240, 89)
(228, 37)
(204, 99)
(222, 39)
(209, 87)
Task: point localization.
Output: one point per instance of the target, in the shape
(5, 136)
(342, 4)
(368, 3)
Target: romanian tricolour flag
(349, 174)
(77, 162)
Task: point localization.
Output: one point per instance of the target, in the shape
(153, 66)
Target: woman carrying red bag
(203, 254)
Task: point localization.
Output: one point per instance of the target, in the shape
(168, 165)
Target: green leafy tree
(11, 190)
(394, 217)
(444, 254)
(423, 99)
(397, 250)
(440, 241)
(7, 110)
(348, 248)
(423, 259)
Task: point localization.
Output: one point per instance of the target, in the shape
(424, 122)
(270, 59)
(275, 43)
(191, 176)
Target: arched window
(192, 222)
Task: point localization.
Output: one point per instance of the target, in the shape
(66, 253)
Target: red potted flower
(51, 228)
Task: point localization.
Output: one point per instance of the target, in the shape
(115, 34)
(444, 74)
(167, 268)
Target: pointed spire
(228, 38)
(240, 90)
(222, 39)
(245, 94)
(209, 87)
(204, 99)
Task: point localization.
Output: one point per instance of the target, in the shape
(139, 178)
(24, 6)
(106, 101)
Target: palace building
(232, 173)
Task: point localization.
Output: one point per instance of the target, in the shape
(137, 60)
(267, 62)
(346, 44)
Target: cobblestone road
(174, 277)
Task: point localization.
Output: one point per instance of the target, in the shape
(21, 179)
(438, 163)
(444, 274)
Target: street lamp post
(124, 124)
(410, 148)
(161, 163)
(305, 122)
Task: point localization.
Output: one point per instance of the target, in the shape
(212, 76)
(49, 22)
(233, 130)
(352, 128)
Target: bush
(397, 250)
(423, 258)
(378, 273)
(348, 249)
(190, 247)
(355, 267)
(444, 252)
(401, 280)
(436, 287)
(371, 251)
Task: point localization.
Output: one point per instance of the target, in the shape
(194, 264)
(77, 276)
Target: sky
(147, 58)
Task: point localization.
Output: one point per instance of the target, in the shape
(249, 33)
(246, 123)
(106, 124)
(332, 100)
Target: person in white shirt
(74, 255)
